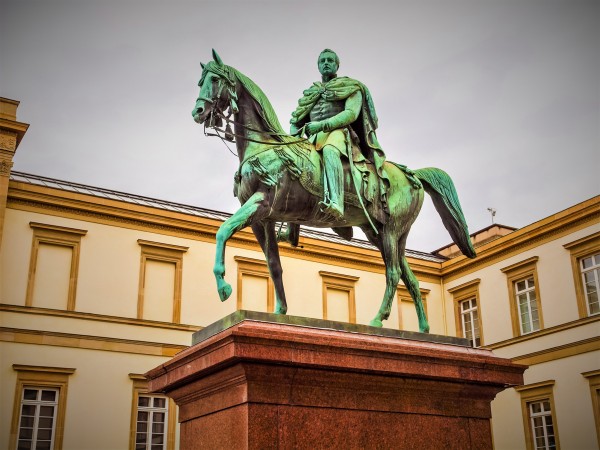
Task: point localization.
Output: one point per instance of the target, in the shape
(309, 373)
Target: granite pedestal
(261, 381)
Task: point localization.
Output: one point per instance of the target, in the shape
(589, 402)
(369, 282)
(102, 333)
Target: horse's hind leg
(267, 238)
(412, 284)
(389, 247)
(246, 215)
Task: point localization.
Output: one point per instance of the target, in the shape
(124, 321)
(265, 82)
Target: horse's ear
(201, 65)
(217, 58)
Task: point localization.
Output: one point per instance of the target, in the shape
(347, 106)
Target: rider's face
(327, 63)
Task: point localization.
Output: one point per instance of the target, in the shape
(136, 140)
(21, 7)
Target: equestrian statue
(329, 172)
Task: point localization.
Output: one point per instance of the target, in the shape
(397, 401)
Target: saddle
(361, 183)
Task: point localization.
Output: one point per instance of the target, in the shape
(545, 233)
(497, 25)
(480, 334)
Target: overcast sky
(503, 95)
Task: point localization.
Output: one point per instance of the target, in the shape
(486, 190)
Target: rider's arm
(347, 116)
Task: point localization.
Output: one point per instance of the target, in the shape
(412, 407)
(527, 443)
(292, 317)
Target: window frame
(580, 249)
(461, 293)
(254, 268)
(533, 393)
(521, 271)
(41, 377)
(593, 378)
(58, 236)
(170, 253)
(340, 282)
(140, 386)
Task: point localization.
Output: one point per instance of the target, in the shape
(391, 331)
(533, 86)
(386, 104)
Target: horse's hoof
(376, 323)
(224, 292)
(280, 310)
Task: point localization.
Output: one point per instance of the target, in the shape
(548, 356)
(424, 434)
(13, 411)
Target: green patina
(331, 166)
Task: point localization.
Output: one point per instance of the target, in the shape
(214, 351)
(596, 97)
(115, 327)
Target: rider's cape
(340, 88)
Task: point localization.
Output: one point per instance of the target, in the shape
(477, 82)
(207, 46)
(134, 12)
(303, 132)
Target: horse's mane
(267, 112)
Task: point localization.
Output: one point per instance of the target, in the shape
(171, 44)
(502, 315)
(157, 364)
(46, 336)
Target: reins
(228, 132)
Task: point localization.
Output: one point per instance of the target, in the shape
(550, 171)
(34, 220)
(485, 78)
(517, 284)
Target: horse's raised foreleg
(267, 238)
(412, 284)
(391, 258)
(246, 215)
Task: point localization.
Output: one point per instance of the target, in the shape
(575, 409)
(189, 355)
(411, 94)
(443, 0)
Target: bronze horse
(280, 180)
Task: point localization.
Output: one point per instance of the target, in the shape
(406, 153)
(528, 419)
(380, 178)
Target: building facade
(97, 287)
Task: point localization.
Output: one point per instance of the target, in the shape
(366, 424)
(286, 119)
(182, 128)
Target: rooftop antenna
(493, 213)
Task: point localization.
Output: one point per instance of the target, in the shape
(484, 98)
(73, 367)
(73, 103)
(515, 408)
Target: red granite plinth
(260, 385)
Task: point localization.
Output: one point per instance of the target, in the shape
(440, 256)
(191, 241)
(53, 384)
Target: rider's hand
(313, 127)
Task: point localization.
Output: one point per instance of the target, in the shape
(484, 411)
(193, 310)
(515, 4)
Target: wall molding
(56, 339)
(97, 317)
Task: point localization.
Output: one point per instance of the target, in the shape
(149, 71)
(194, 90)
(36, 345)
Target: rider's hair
(328, 50)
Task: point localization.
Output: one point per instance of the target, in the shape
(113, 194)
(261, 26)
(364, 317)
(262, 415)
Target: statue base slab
(258, 381)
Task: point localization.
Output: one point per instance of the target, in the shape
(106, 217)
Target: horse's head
(217, 91)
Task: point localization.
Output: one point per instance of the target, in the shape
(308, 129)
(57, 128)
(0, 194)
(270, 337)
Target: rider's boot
(334, 174)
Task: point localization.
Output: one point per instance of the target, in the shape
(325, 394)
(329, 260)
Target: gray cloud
(504, 95)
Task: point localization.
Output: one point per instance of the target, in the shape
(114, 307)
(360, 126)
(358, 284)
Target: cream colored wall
(109, 271)
(97, 417)
(556, 288)
(572, 400)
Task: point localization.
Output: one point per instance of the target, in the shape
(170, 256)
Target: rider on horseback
(334, 113)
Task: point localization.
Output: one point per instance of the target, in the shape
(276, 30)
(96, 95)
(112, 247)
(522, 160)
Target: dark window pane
(48, 396)
(28, 410)
(143, 401)
(26, 433)
(45, 422)
(159, 417)
(142, 416)
(42, 445)
(44, 434)
(157, 438)
(159, 402)
(158, 427)
(30, 394)
(140, 438)
(47, 411)
(142, 427)
(24, 445)
(27, 421)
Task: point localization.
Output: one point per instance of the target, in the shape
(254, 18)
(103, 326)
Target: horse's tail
(440, 187)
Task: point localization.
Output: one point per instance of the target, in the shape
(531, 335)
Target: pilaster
(11, 134)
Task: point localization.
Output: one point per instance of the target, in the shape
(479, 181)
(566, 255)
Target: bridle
(218, 116)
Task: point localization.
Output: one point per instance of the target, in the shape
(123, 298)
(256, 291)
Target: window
(39, 408)
(470, 321)
(255, 289)
(541, 425)
(524, 294)
(53, 267)
(529, 319)
(153, 421)
(539, 420)
(407, 314)
(339, 302)
(590, 273)
(585, 261)
(161, 271)
(467, 312)
(37, 419)
(593, 378)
